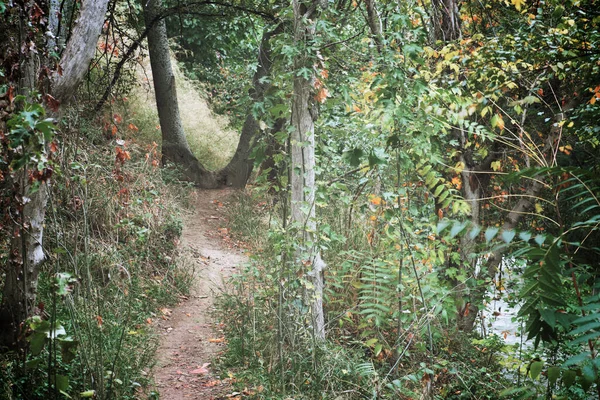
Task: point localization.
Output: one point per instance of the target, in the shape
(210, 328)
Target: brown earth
(190, 338)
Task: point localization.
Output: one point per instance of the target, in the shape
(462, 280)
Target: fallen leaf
(201, 370)
(217, 340)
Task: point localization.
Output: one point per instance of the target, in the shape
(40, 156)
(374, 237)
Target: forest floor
(191, 339)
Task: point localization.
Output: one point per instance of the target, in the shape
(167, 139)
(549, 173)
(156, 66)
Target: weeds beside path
(190, 340)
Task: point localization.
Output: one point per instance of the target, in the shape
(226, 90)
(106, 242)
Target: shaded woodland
(399, 168)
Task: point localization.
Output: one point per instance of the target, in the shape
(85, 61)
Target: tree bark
(303, 160)
(175, 146)
(374, 21)
(80, 49)
(522, 207)
(446, 20)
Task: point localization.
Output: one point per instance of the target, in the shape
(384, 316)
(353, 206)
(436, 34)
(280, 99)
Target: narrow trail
(190, 339)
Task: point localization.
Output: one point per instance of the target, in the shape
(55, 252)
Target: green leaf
(353, 156)
(474, 232)
(553, 373)
(33, 364)
(37, 340)
(67, 348)
(540, 239)
(490, 233)
(589, 375)
(508, 235)
(378, 348)
(569, 378)
(525, 236)
(63, 282)
(585, 338)
(536, 369)
(61, 382)
(87, 394)
(457, 228)
(576, 359)
(549, 316)
(377, 157)
(443, 224)
(586, 328)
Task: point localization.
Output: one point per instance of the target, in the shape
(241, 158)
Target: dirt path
(190, 339)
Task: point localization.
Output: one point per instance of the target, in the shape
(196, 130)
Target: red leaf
(52, 103)
(11, 94)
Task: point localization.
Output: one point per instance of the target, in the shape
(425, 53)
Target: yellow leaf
(496, 165)
(518, 4)
(538, 208)
(498, 122)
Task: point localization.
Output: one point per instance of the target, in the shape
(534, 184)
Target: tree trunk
(27, 254)
(238, 170)
(80, 49)
(303, 161)
(446, 20)
(374, 21)
(175, 146)
(522, 207)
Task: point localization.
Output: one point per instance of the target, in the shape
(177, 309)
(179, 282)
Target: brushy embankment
(112, 232)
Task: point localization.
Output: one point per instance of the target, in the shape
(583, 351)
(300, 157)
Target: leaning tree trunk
(80, 49)
(238, 170)
(27, 254)
(522, 207)
(175, 147)
(303, 159)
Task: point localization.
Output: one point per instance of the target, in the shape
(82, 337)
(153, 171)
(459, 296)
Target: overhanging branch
(181, 9)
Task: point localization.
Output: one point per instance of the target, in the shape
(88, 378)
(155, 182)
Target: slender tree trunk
(374, 21)
(303, 160)
(175, 147)
(53, 23)
(511, 221)
(238, 170)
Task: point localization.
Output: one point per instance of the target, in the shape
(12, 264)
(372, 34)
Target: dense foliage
(457, 166)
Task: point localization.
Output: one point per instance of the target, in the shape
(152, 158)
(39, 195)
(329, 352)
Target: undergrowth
(373, 350)
(112, 228)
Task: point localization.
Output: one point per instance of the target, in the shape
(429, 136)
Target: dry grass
(208, 134)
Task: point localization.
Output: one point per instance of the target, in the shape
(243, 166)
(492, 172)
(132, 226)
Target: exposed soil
(190, 338)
